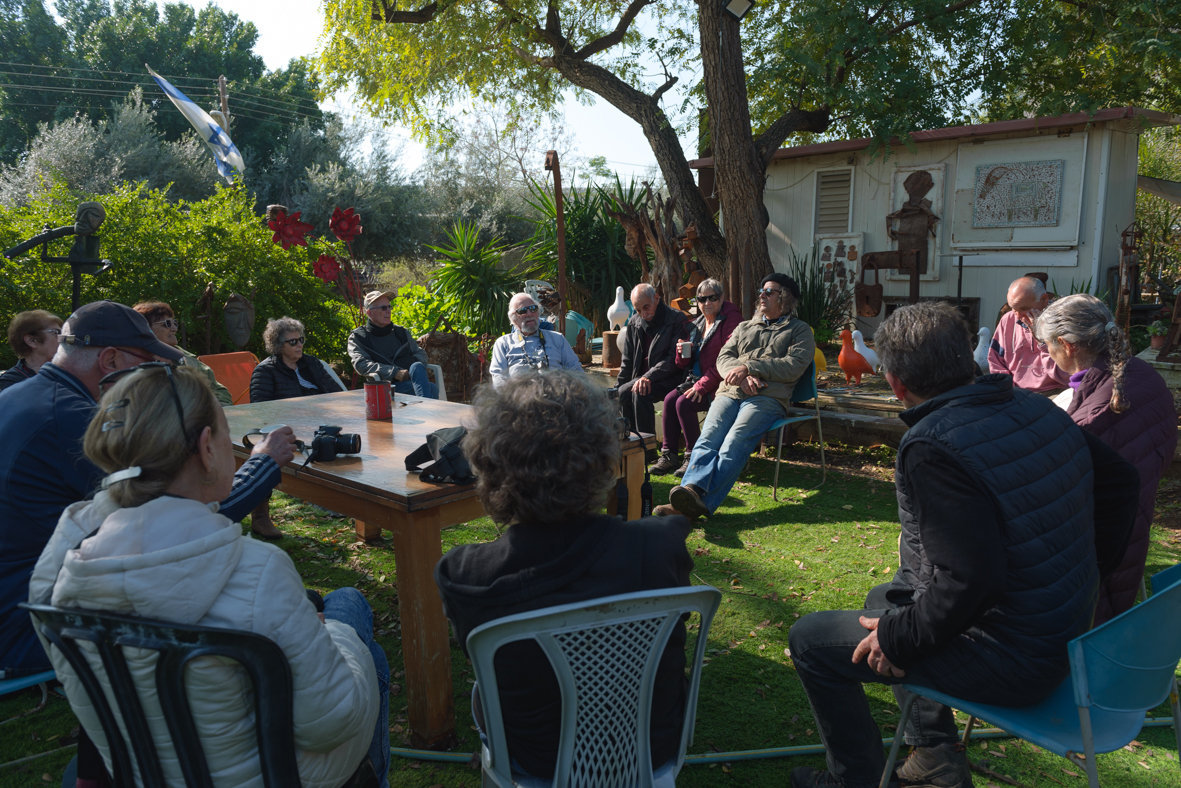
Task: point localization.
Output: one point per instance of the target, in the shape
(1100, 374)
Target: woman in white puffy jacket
(152, 544)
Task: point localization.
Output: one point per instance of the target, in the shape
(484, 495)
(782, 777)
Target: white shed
(1012, 197)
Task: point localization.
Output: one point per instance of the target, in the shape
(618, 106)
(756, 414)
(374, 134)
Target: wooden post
(225, 102)
(551, 164)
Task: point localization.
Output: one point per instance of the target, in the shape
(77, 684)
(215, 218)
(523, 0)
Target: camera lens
(348, 443)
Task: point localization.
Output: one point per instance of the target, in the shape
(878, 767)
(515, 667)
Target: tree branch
(795, 119)
(669, 80)
(553, 29)
(616, 35)
(384, 12)
(951, 9)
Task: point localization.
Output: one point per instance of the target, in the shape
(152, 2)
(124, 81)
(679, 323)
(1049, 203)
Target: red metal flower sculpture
(289, 230)
(346, 224)
(326, 268)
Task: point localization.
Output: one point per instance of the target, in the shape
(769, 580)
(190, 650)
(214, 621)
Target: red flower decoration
(289, 230)
(346, 224)
(326, 268)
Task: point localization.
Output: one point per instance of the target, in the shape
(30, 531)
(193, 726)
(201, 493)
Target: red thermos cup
(377, 399)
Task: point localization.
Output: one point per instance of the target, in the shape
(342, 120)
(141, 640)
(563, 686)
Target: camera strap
(440, 460)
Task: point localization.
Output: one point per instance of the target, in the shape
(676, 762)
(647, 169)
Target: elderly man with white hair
(1015, 350)
(528, 346)
(649, 369)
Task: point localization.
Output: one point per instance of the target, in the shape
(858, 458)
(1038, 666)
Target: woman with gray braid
(1125, 402)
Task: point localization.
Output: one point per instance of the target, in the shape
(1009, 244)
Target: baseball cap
(373, 295)
(108, 324)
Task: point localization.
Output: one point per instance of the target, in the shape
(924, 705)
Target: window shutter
(832, 201)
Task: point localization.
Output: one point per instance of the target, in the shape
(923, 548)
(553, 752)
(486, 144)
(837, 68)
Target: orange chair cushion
(233, 370)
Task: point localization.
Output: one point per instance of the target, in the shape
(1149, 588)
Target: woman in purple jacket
(711, 329)
(1125, 402)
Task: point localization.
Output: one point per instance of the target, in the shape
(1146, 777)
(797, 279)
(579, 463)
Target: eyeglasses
(709, 299)
(294, 341)
(171, 323)
(526, 310)
(767, 292)
(114, 377)
(51, 331)
(383, 308)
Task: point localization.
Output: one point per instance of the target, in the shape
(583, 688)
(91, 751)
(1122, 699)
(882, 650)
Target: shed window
(833, 189)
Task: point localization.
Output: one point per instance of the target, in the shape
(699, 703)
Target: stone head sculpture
(238, 314)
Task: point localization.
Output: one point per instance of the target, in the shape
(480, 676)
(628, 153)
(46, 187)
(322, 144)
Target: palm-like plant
(472, 284)
(596, 262)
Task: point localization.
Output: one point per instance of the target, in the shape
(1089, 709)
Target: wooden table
(374, 488)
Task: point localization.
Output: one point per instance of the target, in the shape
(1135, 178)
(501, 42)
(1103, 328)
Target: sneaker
(679, 472)
(687, 501)
(666, 464)
(942, 766)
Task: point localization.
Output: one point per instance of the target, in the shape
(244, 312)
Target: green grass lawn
(774, 562)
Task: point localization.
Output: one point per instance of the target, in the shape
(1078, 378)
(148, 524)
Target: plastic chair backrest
(233, 370)
(605, 654)
(1127, 663)
(1165, 578)
(805, 388)
(262, 659)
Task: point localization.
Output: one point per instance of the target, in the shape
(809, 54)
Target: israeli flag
(225, 153)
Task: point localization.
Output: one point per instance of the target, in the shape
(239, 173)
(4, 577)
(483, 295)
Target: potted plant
(1156, 332)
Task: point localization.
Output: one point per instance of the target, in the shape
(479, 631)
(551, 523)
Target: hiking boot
(260, 521)
(667, 463)
(942, 766)
(679, 472)
(687, 501)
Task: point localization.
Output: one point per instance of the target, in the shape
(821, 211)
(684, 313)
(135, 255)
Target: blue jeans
(732, 430)
(348, 606)
(418, 384)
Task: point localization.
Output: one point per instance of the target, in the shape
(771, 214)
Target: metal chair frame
(1110, 689)
(586, 701)
(110, 633)
(804, 390)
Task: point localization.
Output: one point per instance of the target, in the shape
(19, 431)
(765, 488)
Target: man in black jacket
(649, 369)
(381, 348)
(1010, 515)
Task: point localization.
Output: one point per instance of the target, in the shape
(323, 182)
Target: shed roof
(1151, 117)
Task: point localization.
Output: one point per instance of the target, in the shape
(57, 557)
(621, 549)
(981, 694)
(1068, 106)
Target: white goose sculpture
(860, 346)
(618, 313)
(980, 356)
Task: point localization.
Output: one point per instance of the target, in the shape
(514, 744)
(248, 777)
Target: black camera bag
(440, 459)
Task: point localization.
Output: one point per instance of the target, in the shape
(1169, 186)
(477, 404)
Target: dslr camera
(328, 442)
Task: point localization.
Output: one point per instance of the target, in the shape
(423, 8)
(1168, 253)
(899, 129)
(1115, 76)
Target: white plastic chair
(605, 654)
(435, 368)
(332, 374)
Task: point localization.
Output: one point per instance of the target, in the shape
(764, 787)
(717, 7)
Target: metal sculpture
(83, 257)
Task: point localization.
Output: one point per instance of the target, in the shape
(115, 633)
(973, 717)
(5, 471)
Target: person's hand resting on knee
(869, 649)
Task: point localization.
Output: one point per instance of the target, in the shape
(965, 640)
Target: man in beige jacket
(760, 365)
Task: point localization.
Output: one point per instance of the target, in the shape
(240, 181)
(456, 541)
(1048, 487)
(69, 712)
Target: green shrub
(173, 252)
(825, 307)
(471, 283)
(416, 308)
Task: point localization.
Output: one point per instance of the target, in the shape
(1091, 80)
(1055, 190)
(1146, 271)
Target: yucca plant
(823, 306)
(596, 262)
(470, 281)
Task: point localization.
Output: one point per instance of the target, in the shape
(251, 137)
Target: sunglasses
(709, 299)
(171, 323)
(384, 308)
(114, 377)
(767, 292)
(294, 341)
(526, 310)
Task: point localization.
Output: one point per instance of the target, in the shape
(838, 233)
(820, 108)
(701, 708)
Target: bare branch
(669, 79)
(384, 12)
(795, 119)
(616, 35)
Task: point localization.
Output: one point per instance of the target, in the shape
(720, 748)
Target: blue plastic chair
(805, 390)
(605, 653)
(42, 679)
(1118, 671)
(1160, 581)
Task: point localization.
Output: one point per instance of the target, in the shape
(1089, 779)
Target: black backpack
(440, 460)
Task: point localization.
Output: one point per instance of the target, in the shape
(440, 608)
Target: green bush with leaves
(174, 252)
(417, 309)
(474, 288)
(823, 306)
(596, 262)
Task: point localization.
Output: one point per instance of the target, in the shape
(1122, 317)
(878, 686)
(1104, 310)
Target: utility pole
(225, 102)
(551, 164)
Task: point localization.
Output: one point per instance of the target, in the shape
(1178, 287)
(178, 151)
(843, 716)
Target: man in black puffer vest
(389, 351)
(1004, 503)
